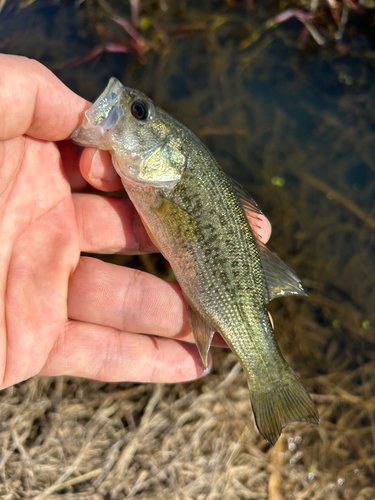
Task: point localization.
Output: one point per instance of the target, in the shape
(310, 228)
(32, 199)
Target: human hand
(60, 313)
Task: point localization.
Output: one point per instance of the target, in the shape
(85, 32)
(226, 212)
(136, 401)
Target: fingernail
(101, 166)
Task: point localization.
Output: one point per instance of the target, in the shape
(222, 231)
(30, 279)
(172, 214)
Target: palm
(59, 313)
(42, 245)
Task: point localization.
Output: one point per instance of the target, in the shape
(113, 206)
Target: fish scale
(202, 223)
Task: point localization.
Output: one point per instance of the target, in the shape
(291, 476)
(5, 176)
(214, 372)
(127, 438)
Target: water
(296, 128)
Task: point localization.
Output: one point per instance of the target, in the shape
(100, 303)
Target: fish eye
(140, 110)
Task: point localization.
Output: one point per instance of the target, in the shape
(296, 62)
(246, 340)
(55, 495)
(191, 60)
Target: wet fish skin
(198, 218)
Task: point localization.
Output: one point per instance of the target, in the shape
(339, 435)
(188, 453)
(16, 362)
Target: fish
(203, 223)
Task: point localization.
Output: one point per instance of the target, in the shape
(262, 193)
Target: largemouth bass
(198, 218)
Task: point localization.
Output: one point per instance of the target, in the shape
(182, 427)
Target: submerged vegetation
(292, 120)
(149, 25)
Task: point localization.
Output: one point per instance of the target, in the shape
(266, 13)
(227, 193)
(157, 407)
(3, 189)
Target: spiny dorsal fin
(280, 278)
(249, 205)
(247, 202)
(202, 332)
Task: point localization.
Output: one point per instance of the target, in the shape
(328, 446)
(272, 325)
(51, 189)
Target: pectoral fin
(202, 332)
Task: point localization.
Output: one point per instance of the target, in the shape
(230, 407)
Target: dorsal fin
(281, 280)
(247, 202)
(249, 205)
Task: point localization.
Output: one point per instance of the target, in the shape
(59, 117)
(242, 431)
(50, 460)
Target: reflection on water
(297, 129)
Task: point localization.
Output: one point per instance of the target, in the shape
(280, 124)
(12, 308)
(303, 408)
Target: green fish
(198, 218)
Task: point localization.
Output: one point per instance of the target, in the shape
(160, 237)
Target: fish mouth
(87, 135)
(100, 117)
(92, 134)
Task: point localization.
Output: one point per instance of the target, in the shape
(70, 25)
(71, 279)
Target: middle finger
(129, 300)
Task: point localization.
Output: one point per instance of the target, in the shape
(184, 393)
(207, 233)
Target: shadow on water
(296, 128)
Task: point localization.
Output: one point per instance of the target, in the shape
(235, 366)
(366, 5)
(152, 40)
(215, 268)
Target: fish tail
(277, 403)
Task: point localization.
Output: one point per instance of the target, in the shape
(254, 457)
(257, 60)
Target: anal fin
(202, 332)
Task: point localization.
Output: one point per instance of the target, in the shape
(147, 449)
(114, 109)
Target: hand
(60, 313)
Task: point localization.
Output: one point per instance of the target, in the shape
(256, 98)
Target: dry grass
(69, 438)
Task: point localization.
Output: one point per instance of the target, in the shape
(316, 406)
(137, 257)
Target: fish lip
(85, 137)
(73, 136)
(90, 133)
(110, 96)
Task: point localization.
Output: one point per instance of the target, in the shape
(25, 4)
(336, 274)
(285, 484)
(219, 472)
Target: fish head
(141, 137)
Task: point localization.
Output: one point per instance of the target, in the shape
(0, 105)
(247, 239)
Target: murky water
(296, 128)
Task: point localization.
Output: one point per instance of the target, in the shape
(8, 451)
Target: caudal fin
(280, 403)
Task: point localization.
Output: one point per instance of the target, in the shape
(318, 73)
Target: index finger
(35, 102)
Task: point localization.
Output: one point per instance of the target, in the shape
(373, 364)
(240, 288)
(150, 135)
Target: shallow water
(296, 128)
